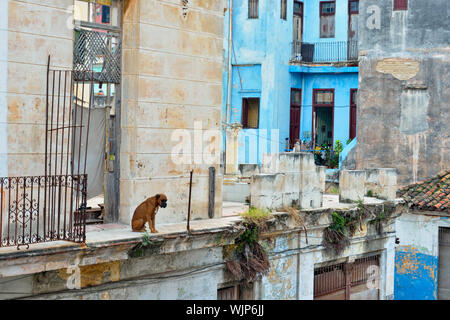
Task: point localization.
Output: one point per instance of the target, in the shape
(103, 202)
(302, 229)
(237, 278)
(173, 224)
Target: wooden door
(353, 113)
(295, 116)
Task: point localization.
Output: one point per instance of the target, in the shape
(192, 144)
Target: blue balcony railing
(339, 51)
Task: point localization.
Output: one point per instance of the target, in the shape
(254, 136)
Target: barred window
(354, 6)
(283, 13)
(253, 9)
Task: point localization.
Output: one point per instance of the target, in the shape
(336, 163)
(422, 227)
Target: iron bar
(189, 204)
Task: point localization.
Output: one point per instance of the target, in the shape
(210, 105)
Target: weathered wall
(34, 30)
(417, 256)
(172, 77)
(404, 56)
(3, 88)
(190, 267)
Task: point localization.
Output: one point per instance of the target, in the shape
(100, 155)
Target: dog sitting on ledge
(146, 212)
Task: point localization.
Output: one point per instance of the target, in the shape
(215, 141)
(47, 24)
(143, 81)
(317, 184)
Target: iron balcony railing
(339, 51)
(42, 209)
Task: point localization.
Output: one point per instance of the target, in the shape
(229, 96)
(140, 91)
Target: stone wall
(403, 112)
(34, 30)
(172, 78)
(288, 179)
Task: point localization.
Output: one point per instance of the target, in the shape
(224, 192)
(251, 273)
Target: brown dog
(146, 212)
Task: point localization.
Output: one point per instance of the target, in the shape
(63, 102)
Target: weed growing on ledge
(139, 249)
(251, 260)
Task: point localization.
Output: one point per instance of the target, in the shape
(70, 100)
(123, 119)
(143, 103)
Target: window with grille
(283, 14)
(354, 6)
(298, 8)
(253, 8)
(250, 113)
(324, 97)
(344, 281)
(327, 8)
(400, 4)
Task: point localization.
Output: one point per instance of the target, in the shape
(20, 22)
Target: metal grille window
(400, 4)
(283, 13)
(230, 293)
(327, 8)
(354, 6)
(253, 9)
(324, 97)
(345, 281)
(298, 8)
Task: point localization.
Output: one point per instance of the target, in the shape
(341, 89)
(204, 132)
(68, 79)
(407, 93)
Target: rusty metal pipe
(189, 204)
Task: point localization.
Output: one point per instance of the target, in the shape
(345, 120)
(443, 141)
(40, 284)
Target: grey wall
(403, 112)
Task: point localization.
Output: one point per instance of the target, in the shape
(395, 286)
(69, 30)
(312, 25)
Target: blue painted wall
(261, 68)
(416, 275)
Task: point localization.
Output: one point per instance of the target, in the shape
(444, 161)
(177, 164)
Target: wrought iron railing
(340, 51)
(42, 209)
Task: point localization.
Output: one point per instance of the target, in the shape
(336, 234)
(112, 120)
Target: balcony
(325, 52)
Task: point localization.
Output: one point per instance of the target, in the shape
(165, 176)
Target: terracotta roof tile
(431, 194)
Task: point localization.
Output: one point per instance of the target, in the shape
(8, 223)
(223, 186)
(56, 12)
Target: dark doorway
(323, 117)
(353, 113)
(295, 116)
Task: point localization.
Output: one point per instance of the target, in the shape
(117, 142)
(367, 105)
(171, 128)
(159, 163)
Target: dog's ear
(158, 196)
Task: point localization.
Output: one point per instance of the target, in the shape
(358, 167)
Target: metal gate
(347, 281)
(51, 206)
(444, 264)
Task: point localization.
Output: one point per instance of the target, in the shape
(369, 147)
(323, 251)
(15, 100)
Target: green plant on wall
(250, 258)
(336, 236)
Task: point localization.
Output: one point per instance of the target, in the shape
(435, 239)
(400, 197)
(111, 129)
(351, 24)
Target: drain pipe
(230, 70)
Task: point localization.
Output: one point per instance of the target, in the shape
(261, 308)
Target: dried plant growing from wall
(298, 220)
(250, 260)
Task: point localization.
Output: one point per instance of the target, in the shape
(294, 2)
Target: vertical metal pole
(46, 146)
(348, 280)
(189, 204)
(212, 193)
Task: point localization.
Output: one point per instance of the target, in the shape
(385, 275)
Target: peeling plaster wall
(172, 78)
(403, 112)
(35, 30)
(3, 88)
(192, 267)
(417, 256)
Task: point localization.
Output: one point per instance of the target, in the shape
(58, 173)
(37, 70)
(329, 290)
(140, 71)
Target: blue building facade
(294, 73)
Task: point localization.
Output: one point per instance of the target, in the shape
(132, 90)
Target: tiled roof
(430, 195)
